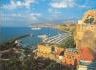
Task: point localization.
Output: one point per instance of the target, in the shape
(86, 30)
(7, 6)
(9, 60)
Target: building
(49, 51)
(85, 36)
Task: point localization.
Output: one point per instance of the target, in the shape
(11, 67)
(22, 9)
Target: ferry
(36, 28)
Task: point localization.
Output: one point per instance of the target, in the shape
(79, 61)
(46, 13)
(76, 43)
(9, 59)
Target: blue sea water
(9, 33)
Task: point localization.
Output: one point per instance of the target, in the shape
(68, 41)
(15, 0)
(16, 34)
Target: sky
(26, 12)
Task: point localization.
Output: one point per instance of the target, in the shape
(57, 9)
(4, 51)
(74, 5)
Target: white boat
(36, 28)
(43, 36)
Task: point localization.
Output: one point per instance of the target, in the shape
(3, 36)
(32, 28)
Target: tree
(89, 20)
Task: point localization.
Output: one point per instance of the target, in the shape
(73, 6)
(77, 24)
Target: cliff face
(86, 31)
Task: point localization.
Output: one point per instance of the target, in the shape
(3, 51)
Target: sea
(10, 33)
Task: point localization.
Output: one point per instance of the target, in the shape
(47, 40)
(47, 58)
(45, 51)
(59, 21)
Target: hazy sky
(25, 12)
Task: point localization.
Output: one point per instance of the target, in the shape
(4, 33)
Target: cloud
(19, 19)
(84, 6)
(27, 3)
(88, 4)
(15, 4)
(34, 17)
(62, 3)
(24, 17)
(13, 17)
(35, 14)
(12, 5)
(59, 4)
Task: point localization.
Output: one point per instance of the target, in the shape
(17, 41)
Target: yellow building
(49, 51)
(43, 51)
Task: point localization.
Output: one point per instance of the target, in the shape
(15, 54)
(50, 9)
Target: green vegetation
(68, 43)
(89, 20)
